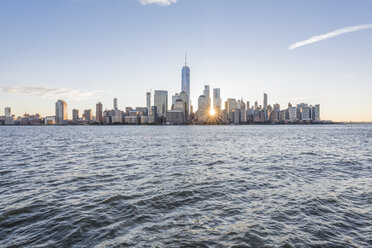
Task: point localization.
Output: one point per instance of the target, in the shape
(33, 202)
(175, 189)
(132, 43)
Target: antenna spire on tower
(185, 58)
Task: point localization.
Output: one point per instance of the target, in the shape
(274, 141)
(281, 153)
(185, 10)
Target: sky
(89, 51)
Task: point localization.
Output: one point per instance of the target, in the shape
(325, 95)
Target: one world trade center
(186, 82)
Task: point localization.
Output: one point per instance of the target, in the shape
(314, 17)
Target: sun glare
(212, 111)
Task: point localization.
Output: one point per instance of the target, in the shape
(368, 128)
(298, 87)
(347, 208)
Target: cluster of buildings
(210, 110)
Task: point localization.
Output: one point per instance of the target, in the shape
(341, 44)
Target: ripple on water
(202, 186)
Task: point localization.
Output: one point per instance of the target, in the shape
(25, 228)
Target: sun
(212, 112)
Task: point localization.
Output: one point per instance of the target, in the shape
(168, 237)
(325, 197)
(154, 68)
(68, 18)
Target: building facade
(61, 112)
(185, 85)
(88, 115)
(7, 112)
(265, 107)
(116, 104)
(161, 102)
(99, 113)
(217, 99)
(75, 115)
(148, 102)
(206, 93)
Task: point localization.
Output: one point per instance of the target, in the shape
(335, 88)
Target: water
(186, 186)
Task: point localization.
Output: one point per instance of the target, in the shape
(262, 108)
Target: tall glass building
(161, 101)
(148, 102)
(207, 94)
(217, 99)
(265, 107)
(186, 82)
(61, 112)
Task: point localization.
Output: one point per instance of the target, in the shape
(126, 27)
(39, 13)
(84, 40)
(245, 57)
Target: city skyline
(210, 104)
(86, 52)
(209, 111)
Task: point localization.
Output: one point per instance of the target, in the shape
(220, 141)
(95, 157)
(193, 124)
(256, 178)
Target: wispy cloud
(48, 92)
(329, 35)
(158, 2)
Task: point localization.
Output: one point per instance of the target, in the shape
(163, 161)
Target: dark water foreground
(188, 186)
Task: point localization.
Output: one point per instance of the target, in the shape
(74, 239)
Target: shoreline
(254, 124)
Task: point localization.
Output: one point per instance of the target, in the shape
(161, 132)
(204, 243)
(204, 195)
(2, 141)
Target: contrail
(158, 2)
(329, 35)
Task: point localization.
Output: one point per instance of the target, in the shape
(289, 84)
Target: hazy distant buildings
(265, 115)
(7, 112)
(116, 104)
(99, 113)
(161, 102)
(61, 112)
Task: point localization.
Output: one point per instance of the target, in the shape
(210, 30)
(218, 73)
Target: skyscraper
(148, 102)
(243, 112)
(88, 114)
(75, 115)
(207, 95)
(202, 108)
(99, 113)
(7, 112)
(174, 98)
(115, 104)
(186, 81)
(161, 101)
(61, 112)
(317, 112)
(265, 107)
(231, 105)
(276, 107)
(183, 96)
(217, 99)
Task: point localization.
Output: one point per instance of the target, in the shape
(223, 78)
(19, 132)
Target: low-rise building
(175, 117)
(49, 120)
(133, 120)
(292, 114)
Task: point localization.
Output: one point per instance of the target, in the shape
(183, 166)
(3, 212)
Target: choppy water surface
(189, 186)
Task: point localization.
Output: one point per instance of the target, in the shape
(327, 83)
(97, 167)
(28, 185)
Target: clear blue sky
(95, 50)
